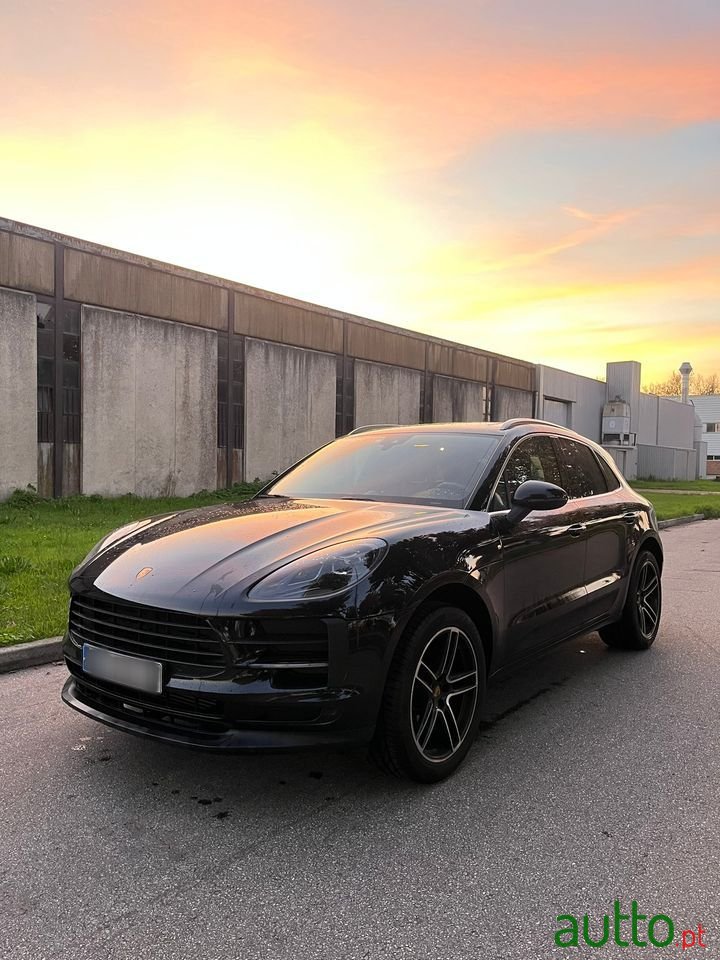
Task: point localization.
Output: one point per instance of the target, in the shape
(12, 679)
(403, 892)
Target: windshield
(441, 469)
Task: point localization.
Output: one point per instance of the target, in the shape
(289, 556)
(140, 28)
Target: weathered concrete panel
(460, 401)
(26, 263)
(108, 401)
(18, 391)
(270, 319)
(154, 408)
(149, 405)
(195, 409)
(385, 394)
(509, 403)
(289, 402)
(142, 290)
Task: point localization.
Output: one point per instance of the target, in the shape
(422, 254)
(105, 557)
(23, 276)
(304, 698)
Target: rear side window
(610, 477)
(532, 459)
(581, 473)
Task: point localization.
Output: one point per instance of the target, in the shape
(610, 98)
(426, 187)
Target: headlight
(323, 573)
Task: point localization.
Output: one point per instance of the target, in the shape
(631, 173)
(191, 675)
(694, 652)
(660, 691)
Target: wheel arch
(468, 600)
(653, 546)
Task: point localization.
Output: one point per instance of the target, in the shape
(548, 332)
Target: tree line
(700, 385)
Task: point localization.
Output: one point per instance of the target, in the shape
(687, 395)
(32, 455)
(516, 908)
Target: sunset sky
(535, 177)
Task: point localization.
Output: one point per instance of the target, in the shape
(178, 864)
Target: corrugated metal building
(707, 408)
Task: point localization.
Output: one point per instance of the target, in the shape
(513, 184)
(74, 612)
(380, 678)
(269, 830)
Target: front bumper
(235, 711)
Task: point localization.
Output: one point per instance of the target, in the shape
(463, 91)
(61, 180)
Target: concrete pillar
(149, 405)
(18, 391)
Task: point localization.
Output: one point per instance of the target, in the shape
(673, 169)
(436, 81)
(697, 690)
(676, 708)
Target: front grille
(293, 654)
(185, 643)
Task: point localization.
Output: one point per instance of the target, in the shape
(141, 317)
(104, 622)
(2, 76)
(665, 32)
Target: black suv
(367, 594)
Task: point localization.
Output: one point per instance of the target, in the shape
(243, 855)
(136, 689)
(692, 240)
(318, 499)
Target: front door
(543, 557)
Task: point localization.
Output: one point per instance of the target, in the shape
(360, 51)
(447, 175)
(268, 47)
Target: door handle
(630, 517)
(576, 530)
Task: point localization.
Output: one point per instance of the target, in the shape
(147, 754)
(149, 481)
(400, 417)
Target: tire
(640, 621)
(433, 698)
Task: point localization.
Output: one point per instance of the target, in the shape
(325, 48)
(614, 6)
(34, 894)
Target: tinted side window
(610, 478)
(532, 459)
(582, 476)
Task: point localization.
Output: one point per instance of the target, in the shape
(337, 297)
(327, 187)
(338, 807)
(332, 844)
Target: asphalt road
(595, 777)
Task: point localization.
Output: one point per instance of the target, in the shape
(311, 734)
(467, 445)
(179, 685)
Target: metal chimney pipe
(685, 371)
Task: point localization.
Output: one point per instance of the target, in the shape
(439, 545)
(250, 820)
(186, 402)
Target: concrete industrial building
(120, 374)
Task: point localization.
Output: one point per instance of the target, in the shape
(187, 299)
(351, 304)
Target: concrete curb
(31, 654)
(680, 521)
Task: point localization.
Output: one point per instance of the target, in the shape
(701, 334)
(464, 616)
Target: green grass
(42, 540)
(713, 486)
(670, 505)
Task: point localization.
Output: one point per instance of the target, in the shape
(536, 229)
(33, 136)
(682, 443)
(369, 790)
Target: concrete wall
(18, 391)
(510, 403)
(457, 401)
(149, 405)
(289, 404)
(385, 394)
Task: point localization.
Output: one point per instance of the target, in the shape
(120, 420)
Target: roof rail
(372, 426)
(521, 421)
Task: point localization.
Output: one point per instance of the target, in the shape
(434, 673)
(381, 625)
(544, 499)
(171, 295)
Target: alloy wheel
(444, 694)
(647, 599)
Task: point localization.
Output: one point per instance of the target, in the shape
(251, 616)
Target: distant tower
(685, 371)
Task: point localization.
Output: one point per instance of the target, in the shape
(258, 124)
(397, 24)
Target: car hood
(203, 560)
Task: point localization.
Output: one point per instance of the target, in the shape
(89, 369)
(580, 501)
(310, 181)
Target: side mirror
(535, 495)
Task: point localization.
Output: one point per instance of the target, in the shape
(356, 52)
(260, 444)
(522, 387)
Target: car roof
(517, 426)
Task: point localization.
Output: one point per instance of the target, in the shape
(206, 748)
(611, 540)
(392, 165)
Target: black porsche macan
(366, 595)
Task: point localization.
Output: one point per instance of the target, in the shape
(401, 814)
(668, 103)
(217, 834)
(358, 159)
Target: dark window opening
(532, 459)
(581, 473)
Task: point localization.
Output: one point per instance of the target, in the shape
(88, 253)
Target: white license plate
(135, 672)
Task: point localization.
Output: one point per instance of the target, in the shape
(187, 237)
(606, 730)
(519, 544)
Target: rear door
(607, 520)
(543, 556)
